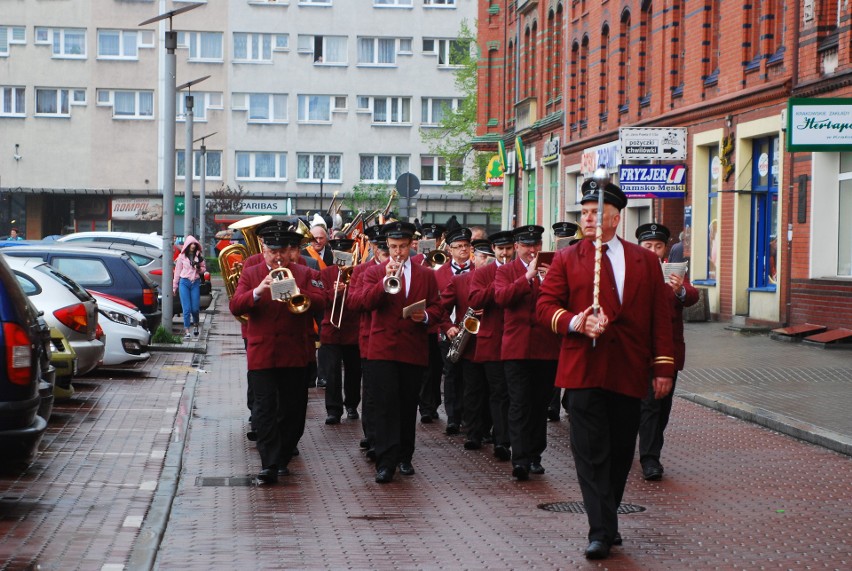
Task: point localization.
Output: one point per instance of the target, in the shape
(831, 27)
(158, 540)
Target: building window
(66, 42)
(203, 46)
(328, 50)
(440, 3)
(317, 167)
(714, 239)
(261, 166)
(574, 89)
(127, 104)
(451, 53)
(123, 44)
(434, 170)
(254, 48)
(392, 110)
(214, 164)
(262, 107)
(624, 63)
(712, 36)
(52, 102)
(392, 3)
(377, 51)
(433, 110)
(646, 50)
(604, 72)
(202, 101)
(382, 168)
(584, 82)
(318, 108)
(555, 211)
(531, 208)
(10, 35)
(315, 2)
(13, 102)
(510, 75)
(556, 56)
(678, 49)
(764, 213)
(751, 41)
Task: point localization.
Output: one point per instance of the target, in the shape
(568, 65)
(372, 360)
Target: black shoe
(365, 443)
(332, 419)
(536, 468)
(597, 550)
(653, 472)
(501, 453)
(471, 444)
(553, 415)
(426, 418)
(195, 330)
(252, 435)
(267, 476)
(321, 383)
(371, 454)
(384, 476)
(520, 473)
(295, 451)
(352, 413)
(406, 469)
(285, 471)
(616, 540)
(452, 428)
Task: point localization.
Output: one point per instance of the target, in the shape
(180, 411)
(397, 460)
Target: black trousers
(498, 401)
(529, 383)
(368, 404)
(453, 386)
(477, 414)
(249, 393)
(278, 411)
(343, 388)
(603, 440)
(654, 418)
(396, 390)
(430, 392)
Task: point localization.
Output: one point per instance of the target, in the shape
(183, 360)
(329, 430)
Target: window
(66, 42)
(214, 164)
(713, 231)
(583, 111)
(264, 107)
(434, 170)
(440, 3)
(315, 2)
(712, 38)
(78, 97)
(52, 102)
(127, 104)
(203, 46)
(764, 213)
(392, 3)
(315, 108)
(317, 167)
(678, 49)
(434, 109)
(123, 44)
(11, 35)
(377, 51)
(328, 50)
(382, 168)
(252, 47)
(531, 207)
(624, 63)
(392, 110)
(202, 101)
(604, 72)
(451, 53)
(13, 102)
(556, 55)
(261, 166)
(646, 51)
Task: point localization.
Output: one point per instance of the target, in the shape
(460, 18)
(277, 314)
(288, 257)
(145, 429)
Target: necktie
(459, 269)
(607, 267)
(402, 283)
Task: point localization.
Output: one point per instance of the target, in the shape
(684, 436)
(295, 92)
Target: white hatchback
(131, 238)
(127, 339)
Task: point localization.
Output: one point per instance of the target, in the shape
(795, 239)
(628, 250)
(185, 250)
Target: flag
(501, 149)
(520, 158)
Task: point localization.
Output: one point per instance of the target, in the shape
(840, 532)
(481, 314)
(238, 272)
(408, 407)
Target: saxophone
(469, 325)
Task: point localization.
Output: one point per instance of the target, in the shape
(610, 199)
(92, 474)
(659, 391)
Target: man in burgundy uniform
(277, 352)
(656, 412)
(606, 359)
(430, 392)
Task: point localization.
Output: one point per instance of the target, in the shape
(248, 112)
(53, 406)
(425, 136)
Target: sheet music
(670, 268)
(416, 306)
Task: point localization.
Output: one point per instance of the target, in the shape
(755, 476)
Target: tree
(224, 200)
(369, 197)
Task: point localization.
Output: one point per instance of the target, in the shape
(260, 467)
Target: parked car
(62, 357)
(148, 258)
(48, 371)
(107, 271)
(124, 327)
(66, 306)
(131, 238)
(21, 428)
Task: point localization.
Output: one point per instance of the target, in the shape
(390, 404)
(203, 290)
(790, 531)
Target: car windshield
(73, 286)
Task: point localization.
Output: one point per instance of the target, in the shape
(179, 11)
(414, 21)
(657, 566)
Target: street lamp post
(202, 199)
(188, 158)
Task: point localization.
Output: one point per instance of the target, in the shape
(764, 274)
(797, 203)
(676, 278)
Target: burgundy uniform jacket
(489, 341)
(354, 302)
(523, 336)
(638, 340)
(276, 337)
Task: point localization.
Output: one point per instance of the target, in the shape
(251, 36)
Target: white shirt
(615, 253)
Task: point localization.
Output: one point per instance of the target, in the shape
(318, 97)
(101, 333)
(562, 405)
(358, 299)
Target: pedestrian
(277, 353)
(607, 357)
(656, 412)
(13, 235)
(189, 273)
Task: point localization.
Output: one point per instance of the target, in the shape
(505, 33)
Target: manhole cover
(580, 508)
(225, 481)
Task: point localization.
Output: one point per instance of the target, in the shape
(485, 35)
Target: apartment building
(304, 99)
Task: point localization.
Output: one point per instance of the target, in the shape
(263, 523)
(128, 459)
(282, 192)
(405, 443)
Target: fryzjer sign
(647, 143)
(815, 124)
(653, 181)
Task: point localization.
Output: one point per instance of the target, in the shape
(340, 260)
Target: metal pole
(202, 202)
(169, 179)
(188, 170)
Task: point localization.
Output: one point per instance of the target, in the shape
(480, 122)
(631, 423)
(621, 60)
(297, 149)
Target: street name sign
(652, 143)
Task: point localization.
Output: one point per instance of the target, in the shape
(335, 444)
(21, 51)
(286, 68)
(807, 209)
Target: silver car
(66, 306)
(124, 327)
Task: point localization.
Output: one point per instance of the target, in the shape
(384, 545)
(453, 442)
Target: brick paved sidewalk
(735, 495)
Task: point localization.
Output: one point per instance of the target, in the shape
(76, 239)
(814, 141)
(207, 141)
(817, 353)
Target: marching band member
(430, 392)
(560, 230)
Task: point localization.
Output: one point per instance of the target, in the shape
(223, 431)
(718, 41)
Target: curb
(778, 422)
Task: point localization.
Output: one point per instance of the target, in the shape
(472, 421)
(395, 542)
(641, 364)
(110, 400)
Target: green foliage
(163, 336)
(369, 197)
(213, 264)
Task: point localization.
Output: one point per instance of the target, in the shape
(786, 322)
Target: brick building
(725, 71)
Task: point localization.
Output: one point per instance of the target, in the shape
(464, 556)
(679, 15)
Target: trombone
(437, 257)
(343, 276)
(284, 289)
(392, 283)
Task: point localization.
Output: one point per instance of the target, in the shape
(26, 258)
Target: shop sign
(819, 124)
(606, 155)
(653, 181)
(263, 206)
(137, 209)
(550, 151)
(653, 143)
(494, 172)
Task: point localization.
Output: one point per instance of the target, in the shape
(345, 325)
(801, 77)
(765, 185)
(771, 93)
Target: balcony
(526, 113)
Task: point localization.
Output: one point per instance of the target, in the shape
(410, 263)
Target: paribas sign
(815, 124)
(264, 207)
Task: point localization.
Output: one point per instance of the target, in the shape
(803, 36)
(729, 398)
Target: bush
(162, 336)
(213, 265)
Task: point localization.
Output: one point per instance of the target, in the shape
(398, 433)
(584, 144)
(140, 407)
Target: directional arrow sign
(646, 143)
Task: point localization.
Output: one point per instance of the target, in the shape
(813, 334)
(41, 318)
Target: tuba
(284, 289)
(231, 257)
(468, 326)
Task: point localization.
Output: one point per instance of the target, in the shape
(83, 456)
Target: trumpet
(393, 283)
(283, 288)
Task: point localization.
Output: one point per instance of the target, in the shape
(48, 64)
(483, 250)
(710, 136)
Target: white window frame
(144, 39)
(336, 104)
(61, 92)
(439, 163)
(390, 102)
(191, 41)
(196, 164)
(312, 175)
(441, 48)
(205, 100)
(306, 45)
(429, 120)
(269, 2)
(315, 2)
(13, 110)
(280, 164)
(7, 38)
(55, 37)
(393, 3)
(394, 164)
(106, 98)
(255, 46)
(375, 41)
(242, 102)
(441, 4)
(79, 97)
